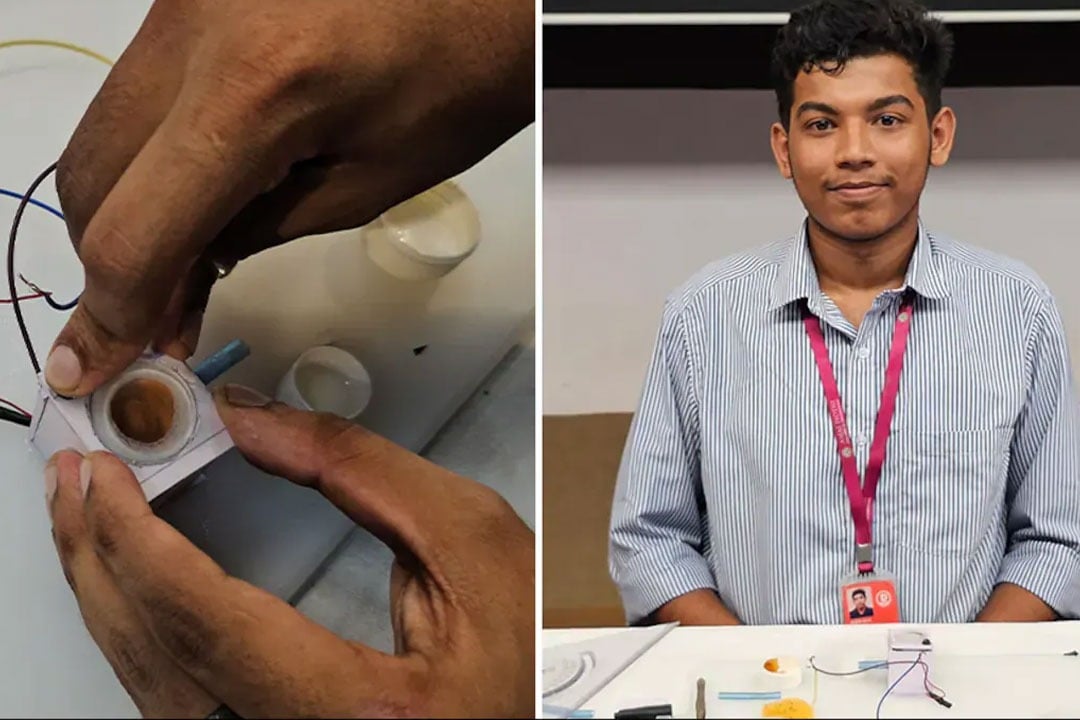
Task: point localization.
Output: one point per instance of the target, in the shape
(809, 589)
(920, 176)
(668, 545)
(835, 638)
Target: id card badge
(869, 598)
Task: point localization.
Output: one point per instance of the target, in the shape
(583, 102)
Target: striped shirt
(731, 480)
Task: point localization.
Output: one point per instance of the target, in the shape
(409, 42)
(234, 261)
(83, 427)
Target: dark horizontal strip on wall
(771, 6)
(737, 56)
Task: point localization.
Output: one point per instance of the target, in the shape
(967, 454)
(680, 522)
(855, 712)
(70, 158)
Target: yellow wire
(24, 42)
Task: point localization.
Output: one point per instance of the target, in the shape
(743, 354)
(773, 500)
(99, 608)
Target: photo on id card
(869, 600)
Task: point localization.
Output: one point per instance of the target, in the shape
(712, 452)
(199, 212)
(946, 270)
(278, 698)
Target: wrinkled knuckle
(341, 442)
(112, 262)
(109, 254)
(106, 529)
(65, 551)
(65, 544)
(496, 527)
(105, 540)
(290, 56)
(493, 508)
(276, 60)
(89, 337)
(129, 663)
(183, 633)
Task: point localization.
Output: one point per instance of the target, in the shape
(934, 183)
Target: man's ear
(778, 139)
(942, 134)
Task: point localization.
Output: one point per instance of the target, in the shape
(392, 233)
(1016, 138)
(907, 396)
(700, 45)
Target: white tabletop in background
(986, 670)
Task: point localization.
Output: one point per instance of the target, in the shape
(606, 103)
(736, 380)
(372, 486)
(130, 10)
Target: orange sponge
(788, 708)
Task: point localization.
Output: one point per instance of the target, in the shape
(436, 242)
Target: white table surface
(986, 670)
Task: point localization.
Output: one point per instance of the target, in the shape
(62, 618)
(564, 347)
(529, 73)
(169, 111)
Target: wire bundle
(934, 692)
(9, 411)
(11, 266)
(14, 414)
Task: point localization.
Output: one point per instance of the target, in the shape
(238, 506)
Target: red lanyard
(861, 494)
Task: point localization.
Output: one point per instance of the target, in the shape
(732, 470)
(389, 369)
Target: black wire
(14, 417)
(49, 296)
(14, 407)
(938, 697)
(60, 306)
(11, 266)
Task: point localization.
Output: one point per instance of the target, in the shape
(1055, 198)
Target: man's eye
(889, 120)
(820, 125)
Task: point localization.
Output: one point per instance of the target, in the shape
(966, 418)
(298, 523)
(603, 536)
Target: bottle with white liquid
(426, 236)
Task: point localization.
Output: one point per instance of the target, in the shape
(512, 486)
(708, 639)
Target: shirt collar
(797, 278)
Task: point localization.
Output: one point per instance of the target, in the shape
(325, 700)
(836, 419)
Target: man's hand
(697, 607)
(184, 638)
(228, 127)
(1012, 603)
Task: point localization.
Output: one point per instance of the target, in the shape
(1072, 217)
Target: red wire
(8, 301)
(13, 405)
(35, 296)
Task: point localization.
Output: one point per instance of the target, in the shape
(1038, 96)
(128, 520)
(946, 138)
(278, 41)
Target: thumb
(86, 354)
(420, 510)
(142, 242)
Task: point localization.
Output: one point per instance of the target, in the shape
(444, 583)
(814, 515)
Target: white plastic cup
(426, 236)
(326, 379)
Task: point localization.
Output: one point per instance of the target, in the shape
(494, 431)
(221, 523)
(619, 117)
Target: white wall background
(643, 187)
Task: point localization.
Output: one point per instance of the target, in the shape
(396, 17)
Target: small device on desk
(157, 416)
(648, 712)
(909, 661)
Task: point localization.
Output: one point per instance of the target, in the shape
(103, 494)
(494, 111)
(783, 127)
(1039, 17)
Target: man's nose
(855, 148)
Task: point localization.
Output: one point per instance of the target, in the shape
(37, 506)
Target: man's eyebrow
(812, 106)
(882, 102)
(888, 100)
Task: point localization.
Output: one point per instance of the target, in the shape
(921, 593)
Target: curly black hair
(827, 33)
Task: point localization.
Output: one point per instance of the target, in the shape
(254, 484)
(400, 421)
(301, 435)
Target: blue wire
(50, 209)
(877, 713)
(62, 306)
(32, 201)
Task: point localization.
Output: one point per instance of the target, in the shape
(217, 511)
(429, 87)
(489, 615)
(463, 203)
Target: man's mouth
(857, 190)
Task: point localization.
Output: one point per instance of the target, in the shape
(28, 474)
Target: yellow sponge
(788, 708)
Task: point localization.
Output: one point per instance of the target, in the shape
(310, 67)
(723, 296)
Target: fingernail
(51, 476)
(63, 370)
(86, 470)
(245, 397)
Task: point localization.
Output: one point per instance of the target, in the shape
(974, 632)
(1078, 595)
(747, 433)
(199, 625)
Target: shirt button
(863, 353)
(861, 439)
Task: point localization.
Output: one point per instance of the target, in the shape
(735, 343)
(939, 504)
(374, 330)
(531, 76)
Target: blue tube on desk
(224, 359)
(562, 712)
(748, 695)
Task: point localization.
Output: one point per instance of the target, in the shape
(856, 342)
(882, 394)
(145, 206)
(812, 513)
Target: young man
(786, 381)
(860, 609)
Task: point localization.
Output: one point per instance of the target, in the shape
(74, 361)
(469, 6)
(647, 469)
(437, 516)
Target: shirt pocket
(942, 492)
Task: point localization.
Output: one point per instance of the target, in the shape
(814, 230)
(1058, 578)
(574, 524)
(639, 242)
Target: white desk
(1001, 670)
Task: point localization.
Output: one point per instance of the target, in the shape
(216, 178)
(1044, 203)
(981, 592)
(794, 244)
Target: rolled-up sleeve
(1043, 497)
(658, 536)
